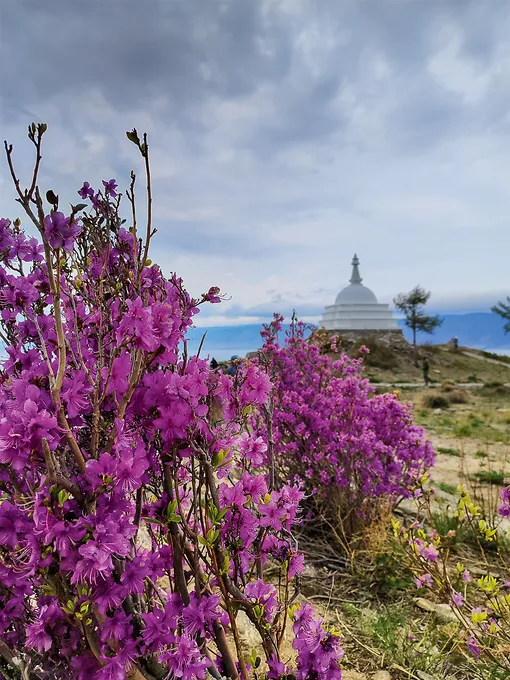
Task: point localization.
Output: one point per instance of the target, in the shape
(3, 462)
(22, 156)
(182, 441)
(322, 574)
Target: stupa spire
(355, 278)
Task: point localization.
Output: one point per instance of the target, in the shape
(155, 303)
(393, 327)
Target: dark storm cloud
(132, 50)
(287, 133)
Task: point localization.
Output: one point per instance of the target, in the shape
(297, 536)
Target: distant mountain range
(481, 330)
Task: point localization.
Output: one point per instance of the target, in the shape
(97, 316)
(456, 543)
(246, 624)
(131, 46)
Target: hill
(483, 330)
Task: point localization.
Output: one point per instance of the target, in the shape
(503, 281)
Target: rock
(423, 675)
(381, 675)
(353, 675)
(443, 611)
(248, 632)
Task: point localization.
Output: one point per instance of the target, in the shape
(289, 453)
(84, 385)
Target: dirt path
(416, 385)
(487, 359)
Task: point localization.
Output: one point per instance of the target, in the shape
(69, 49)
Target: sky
(285, 135)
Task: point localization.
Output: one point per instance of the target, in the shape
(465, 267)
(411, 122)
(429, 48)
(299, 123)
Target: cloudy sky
(286, 135)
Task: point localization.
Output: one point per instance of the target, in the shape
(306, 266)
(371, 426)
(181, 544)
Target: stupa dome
(356, 308)
(356, 294)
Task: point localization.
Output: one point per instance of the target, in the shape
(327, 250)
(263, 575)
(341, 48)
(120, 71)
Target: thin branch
(149, 233)
(37, 143)
(55, 476)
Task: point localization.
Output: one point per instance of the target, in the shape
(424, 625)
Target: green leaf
(219, 457)
(212, 511)
(52, 198)
(133, 137)
(171, 508)
(43, 127)
(222, 514)
(151, 520)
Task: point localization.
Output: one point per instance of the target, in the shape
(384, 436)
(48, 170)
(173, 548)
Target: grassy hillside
(385, 364)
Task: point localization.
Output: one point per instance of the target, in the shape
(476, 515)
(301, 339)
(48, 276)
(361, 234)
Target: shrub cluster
(351, 449)
(134, 525)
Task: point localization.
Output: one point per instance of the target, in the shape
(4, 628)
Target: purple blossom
(473, 647)
(110, 187)
(86, 191)
(59, 231)
(457, 598)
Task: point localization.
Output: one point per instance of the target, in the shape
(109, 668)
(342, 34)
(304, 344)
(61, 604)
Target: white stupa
(356, 308)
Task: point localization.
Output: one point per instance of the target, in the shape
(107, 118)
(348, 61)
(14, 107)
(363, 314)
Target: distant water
(505, 351)
(218, 354)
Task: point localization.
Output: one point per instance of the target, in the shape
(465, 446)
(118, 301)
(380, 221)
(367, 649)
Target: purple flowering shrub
(134, 521)
(481, 605)
(353, 451)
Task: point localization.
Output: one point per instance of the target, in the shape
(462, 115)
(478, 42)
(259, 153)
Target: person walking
(232, 369)
(426, 368)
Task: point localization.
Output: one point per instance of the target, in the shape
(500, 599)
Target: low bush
(458, 397)
(435, 401)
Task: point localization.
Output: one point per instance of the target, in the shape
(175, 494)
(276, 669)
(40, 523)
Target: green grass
(499, 357)
(447, 488)
(462, 430)
(443, 523)
(489, 477)
(448, 451)
(480, 454)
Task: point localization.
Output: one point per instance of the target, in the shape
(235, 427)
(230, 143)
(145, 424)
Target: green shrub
(490, 477)
(379, 356)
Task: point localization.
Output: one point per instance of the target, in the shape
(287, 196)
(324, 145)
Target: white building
(356, 308)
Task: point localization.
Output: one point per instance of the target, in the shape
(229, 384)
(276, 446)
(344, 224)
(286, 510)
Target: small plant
(448, 451)
(447, 488)
(462, 430)
(480, 604)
